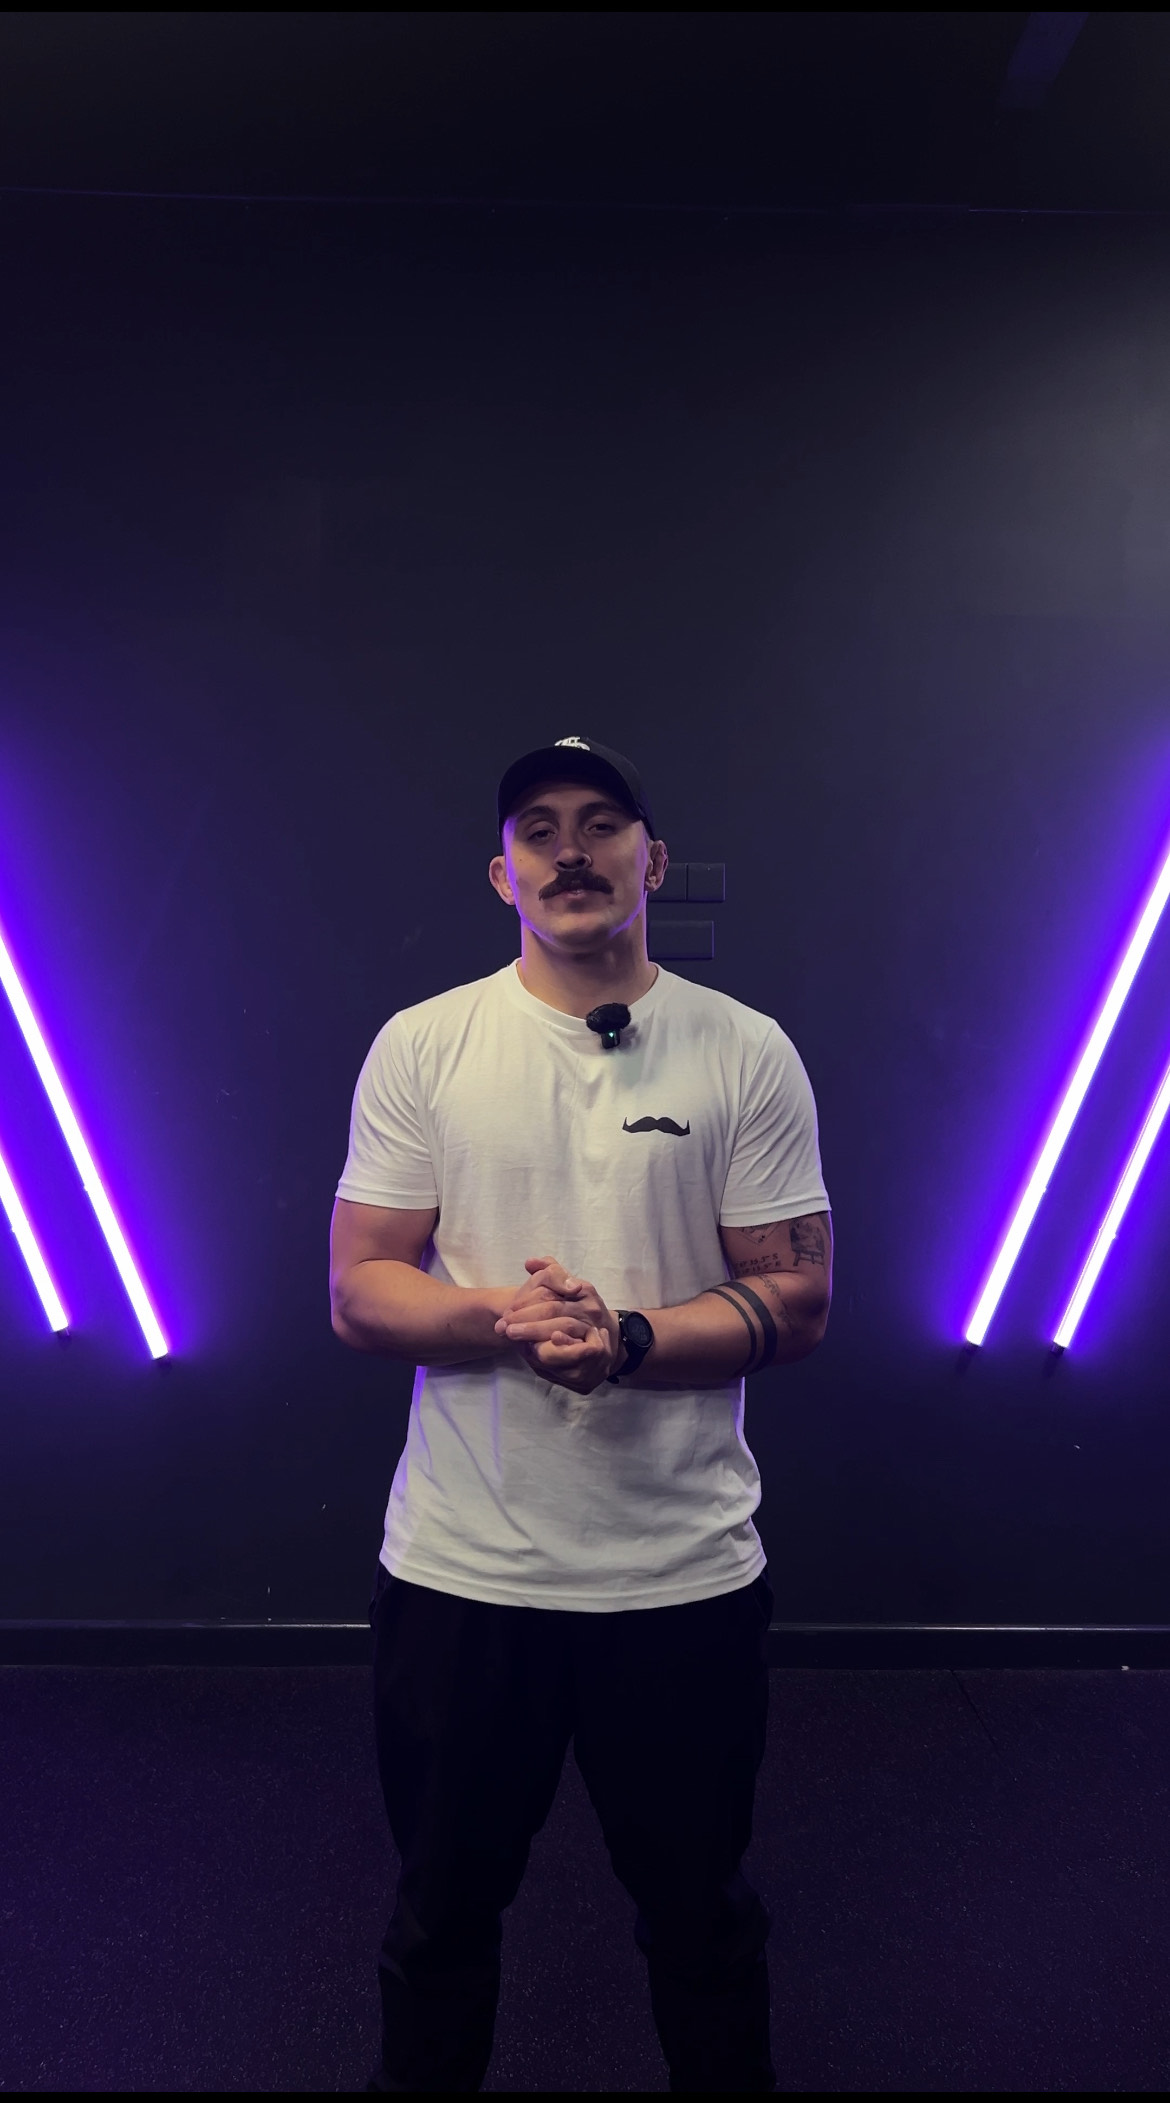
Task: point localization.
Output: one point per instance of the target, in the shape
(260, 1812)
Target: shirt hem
(561, 1599)
(790, 1208)
(389, 1200)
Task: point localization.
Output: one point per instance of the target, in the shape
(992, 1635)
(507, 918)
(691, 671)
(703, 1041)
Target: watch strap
(635, 1353)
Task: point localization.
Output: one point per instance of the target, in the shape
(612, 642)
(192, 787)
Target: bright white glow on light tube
(1131, 1176)
(1069, 1106)
(74, 1138)
(38, 1269)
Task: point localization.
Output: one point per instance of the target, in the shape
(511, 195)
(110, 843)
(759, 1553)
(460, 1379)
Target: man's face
(576, 866)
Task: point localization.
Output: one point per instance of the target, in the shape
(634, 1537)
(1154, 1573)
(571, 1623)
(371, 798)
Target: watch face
(639, 1334)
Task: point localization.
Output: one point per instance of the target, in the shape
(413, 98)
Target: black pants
(667, 1709)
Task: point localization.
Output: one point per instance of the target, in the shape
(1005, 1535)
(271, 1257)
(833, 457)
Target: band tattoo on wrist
(766, 1343)
(721, 1292)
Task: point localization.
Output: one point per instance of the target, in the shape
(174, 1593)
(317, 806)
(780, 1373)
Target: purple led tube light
(1068, 1108)
(86, 1166)
(30, 1249)
(1106, 1234)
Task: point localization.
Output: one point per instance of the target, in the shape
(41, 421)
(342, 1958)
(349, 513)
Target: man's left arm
(772, 1310)
(778, 1296)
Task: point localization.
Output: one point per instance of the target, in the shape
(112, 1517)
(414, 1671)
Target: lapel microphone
(609, 1022)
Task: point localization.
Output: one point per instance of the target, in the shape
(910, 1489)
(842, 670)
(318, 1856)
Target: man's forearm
(381, 1305)
(738, 1326)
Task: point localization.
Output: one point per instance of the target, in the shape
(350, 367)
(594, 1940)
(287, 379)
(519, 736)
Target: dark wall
(858, 537)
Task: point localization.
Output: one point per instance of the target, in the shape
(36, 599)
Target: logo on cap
(578, 744)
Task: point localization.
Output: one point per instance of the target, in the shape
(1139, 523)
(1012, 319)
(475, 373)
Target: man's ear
(498, 878)
(658, 864)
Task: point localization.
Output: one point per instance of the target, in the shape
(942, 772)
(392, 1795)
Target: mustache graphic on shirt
(658, 1124)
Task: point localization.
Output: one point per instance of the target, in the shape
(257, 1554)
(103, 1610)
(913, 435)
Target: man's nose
(571, 858)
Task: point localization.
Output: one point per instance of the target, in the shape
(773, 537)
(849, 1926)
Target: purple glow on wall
(1106, 1234)
(84, 1162)
(30, 1249)
(1068, 1107)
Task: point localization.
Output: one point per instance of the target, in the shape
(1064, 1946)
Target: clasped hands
(562, 1326)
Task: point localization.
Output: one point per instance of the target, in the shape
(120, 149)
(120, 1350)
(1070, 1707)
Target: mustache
(657, 1124)
(575, 880)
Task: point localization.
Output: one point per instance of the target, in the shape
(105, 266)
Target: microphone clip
(609, 1021)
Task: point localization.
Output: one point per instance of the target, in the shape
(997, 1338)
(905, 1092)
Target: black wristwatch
(638, 1338)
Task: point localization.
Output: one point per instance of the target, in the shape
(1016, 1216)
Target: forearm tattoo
(763, 1336)
(783, 1244)
(724, 1292)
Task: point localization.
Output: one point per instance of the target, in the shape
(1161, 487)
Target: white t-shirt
(530, 1139)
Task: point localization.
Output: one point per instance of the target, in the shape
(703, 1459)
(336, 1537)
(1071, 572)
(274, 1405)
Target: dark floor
(970, 1879)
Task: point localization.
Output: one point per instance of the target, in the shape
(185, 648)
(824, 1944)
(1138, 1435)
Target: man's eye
(537, 838)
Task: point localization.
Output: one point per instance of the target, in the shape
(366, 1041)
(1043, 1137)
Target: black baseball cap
(576, 759)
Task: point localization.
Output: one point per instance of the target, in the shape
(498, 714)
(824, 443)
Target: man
(584, 1196)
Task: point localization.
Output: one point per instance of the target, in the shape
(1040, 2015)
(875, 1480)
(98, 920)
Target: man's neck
(574, 985)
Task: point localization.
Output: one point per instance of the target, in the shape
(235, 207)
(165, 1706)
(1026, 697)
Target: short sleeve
(389, 1161)
(775, 1170)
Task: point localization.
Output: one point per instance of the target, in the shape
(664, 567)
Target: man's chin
(578, 929)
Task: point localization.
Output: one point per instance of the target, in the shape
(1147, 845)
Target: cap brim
(562, 763)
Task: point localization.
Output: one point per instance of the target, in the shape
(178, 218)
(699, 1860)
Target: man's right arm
(382, 1301)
